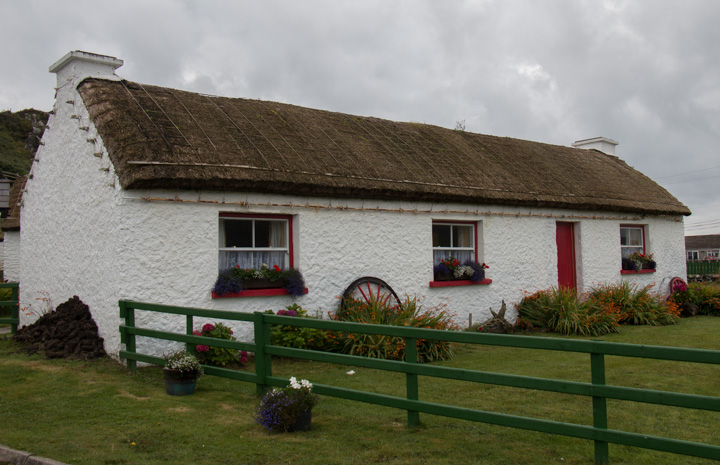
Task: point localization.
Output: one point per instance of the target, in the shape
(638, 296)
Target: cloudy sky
(645, 73)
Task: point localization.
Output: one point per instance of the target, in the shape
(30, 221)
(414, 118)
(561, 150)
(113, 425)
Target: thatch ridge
(171, 139)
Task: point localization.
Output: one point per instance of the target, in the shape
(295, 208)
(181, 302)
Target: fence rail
(597, 390)
(14, 319)
(703, 267)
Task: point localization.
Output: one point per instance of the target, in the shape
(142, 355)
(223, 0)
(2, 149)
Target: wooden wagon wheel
(675, 282)
(370, 289)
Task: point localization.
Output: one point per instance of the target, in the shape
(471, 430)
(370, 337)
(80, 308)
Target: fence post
(597, 368)
(15, 312)
(128, 313)
(263, 361)
(189, 331)
(411, 381)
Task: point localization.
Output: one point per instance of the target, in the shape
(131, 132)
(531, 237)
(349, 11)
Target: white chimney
(602, 144)
(77, 65)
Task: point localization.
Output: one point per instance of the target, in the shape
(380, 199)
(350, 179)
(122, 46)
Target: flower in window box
(451, 269)
(237, 279)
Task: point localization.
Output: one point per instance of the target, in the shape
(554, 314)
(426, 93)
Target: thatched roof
(171, 139)
(706, 241)
(12, 221)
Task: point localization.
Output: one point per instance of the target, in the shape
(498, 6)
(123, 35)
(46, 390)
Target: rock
(689, 309)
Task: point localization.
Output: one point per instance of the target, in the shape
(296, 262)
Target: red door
(565, 238)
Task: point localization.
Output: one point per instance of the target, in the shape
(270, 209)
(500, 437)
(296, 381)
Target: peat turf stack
(67, 332)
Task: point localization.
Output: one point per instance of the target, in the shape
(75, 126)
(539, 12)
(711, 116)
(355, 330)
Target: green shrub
(707, 298)
(218, 356)
(297, 337)
(409, 313)
(5, 294)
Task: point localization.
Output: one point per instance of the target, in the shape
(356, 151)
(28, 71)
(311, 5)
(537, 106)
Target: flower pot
(302, 423)
(179, 383)
(628, 264)
(649, 265)
(264, 283)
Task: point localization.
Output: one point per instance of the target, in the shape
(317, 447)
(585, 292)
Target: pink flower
(201, 348)
(197, 333)
(208, 327)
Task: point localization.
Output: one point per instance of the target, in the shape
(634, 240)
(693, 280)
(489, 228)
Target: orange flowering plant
(409, 313)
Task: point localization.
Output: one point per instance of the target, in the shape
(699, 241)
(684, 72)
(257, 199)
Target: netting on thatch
(166, 138)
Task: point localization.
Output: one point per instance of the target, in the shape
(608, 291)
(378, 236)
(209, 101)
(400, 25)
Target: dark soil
(67, 332)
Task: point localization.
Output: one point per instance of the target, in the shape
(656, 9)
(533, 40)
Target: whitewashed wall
(69, 220)
(169, 251)
(11, 259)
(83, 235)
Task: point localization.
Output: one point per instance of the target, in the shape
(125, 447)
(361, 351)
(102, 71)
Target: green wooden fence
(12, 304)
(703, 267)
(597, 390)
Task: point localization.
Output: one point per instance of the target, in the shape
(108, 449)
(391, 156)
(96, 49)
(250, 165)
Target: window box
(460, 282)
(643, 271)
(254, 293)
(234, 281)
(264, 283)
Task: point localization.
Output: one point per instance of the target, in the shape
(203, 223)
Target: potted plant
(643, 261)
(288, 409)
(451, 269)
(181, 372)
(237, 279)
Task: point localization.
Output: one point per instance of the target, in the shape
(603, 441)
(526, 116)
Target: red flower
(277, 268)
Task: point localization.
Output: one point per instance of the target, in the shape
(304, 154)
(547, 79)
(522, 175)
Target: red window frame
(291, 258)
(464, 282)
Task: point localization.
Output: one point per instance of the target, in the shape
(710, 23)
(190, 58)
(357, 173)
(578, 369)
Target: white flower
(294, 383)
(306, 384)
(351, 372)
(464, 270)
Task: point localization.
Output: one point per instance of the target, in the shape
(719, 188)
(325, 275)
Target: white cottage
(145, 193)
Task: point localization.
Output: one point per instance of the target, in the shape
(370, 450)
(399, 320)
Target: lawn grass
(96, 412)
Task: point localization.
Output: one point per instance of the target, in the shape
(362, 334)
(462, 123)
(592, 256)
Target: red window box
(460, 282)
(649, 270)
(254, 293)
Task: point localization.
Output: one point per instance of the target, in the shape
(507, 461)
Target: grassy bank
(98, 413)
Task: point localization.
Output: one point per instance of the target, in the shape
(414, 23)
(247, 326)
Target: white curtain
(255, 259)
(461, 255)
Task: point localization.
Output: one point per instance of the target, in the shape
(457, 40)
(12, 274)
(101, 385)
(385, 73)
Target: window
(457, 240)
(693, 255)
(253, 240)
(713, 254)
(632, 239)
